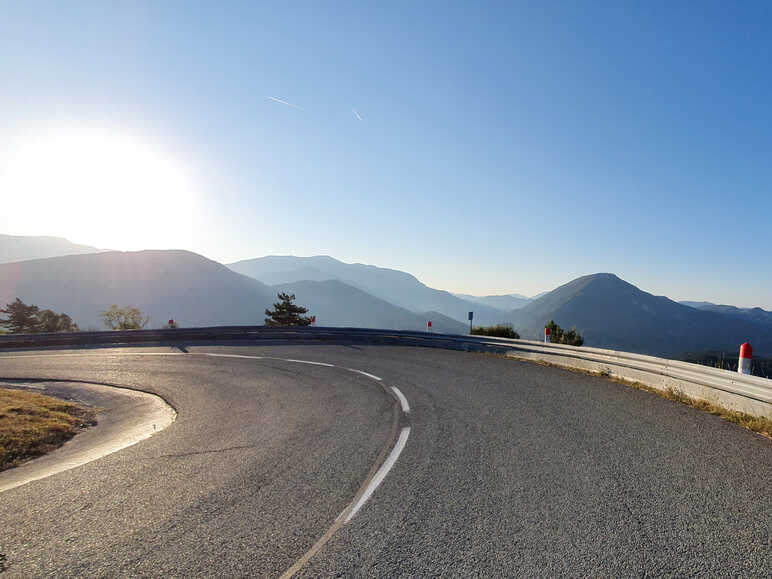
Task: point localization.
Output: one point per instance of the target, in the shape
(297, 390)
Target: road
(510, 468)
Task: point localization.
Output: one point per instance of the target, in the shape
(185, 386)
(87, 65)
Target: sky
(485, 148)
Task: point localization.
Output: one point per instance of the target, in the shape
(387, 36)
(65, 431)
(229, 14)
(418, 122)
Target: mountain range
(505, 302)
(755, 315)
(394, 286)
(195, 291)
(191, 289)
(181, 285)
(612, 313)
(19, 248)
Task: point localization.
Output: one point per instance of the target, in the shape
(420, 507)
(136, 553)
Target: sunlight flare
(106, 189)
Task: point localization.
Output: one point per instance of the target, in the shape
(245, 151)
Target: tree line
(31, 319)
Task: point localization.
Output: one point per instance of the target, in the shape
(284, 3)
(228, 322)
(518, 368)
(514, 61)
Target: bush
(499, 330)
(117, 318)
(561, 336)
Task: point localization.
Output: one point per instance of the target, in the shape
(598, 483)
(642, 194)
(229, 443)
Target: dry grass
(32, 424)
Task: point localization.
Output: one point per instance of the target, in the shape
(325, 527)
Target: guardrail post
(746, 357)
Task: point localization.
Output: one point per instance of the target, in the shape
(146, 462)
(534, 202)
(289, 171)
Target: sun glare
(107, 190)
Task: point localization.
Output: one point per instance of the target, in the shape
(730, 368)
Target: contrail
(357, 115)
(278, 100)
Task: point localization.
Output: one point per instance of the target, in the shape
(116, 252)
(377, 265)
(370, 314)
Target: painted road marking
(402, 400)
(309, 362)
(230, 356)
(373, 376)
(381, 474)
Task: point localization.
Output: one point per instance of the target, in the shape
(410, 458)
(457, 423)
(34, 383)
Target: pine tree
(22, 319)
(286, 313)
(30, 319)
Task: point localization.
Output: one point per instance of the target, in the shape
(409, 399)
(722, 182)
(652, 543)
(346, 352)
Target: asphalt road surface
(509, 469)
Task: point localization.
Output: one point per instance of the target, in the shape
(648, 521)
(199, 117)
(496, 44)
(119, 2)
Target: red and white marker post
(547, 335)
(313, 320)
(429, 326)
(746, 357)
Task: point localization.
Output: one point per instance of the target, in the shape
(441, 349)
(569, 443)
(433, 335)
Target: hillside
(20, 248)
(335, 303)
(394, 286)
(610, 312)
(182, 285)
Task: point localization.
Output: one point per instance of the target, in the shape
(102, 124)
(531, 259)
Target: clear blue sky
(501, 148)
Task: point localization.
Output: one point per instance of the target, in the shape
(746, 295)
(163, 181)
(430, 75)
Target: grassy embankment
(32, 424)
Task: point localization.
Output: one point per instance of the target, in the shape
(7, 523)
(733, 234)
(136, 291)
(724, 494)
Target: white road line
(402, 400)
(229, 355)
(309, 362)
(373, 376)
(381, 474)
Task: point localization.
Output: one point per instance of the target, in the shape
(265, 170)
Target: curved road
(509, 469)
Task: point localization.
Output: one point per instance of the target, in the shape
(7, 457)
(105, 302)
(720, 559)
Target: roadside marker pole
(429, 326)
(746, 357)
(547, 335)
(471, 315)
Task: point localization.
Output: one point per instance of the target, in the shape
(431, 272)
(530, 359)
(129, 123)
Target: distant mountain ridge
(176, 284)
(505, 302)
(194, 290)
(191, 289)
(755, 315)
(21, 248)
(612, 313)
(336, 303)
(394, 286)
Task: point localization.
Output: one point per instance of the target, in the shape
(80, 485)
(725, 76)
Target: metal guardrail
(654, 371)
(217, 334)
(753, 387)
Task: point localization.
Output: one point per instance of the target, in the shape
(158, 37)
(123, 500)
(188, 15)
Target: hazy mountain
(698, 305)
(610, 312)
(192, 289)
(335, 303)
(396, 287)
(182, 285)
(19, 248)
(506, 302)
(755, 315)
